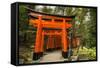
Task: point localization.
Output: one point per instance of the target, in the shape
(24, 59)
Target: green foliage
(46, 9)
(90, 53)
(25, 34)
(92, 28)
(23, 18)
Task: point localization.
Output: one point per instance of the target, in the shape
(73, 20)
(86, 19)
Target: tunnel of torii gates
(55, 27)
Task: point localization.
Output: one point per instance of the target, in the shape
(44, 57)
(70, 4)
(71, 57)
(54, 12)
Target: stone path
(54, 56)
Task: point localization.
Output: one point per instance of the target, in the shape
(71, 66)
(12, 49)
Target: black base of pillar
(50, 49)
(37, 56)
(65, 54)
(41, 54)
(58, 48)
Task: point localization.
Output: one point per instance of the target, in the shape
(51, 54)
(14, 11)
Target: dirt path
(52, 57)
(56, 56)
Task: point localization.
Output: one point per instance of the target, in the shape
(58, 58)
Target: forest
(84, 27)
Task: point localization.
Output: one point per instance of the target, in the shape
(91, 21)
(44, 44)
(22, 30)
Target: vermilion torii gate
(55, 27)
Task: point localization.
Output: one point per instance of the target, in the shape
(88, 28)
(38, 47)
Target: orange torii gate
(55, 27)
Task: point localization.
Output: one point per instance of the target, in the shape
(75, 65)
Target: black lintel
(61, 16)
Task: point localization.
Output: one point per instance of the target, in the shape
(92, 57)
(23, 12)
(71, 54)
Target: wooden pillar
(42, 44)
(52, 37)
(50, 43)
(47, 46)
(64, 40)
(57, 42)
(36, 54)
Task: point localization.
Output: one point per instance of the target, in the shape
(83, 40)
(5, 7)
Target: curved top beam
(46, 14)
